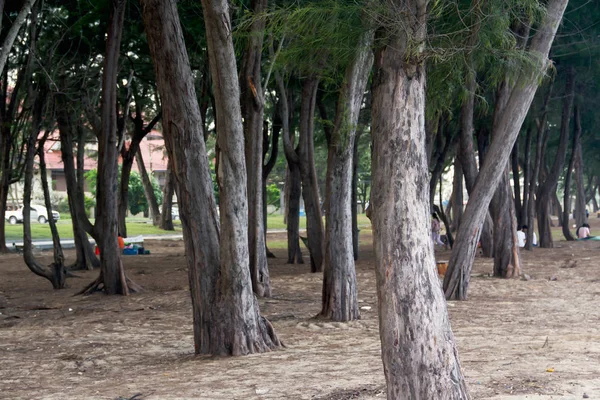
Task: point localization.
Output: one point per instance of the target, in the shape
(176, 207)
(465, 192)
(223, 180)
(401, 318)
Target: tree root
(127, 286)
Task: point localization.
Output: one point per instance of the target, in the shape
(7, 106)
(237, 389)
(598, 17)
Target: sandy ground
(510, 335)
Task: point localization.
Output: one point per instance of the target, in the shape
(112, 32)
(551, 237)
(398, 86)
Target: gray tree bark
(539, 151)
(253, 105)
(166, 214)
(308, 173)
(227, 320)
(293, 188)
(148, 189)
(580, 199)
(413, 319)
(457, 277)
(547, 188)
(13, 32)
(112, 279)
(56, 272)
(457, 194)
(85, 257)
(340, 294)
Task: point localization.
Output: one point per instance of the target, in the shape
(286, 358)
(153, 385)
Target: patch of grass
(141, 226)
(65, 230)
(275, 221)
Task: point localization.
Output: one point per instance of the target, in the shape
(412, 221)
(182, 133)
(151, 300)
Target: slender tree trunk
(269, 165)
(227, 320)
(547, 189)
(340, 294)
(57, 268)
(457, 195)
(354, 197)
(253, 105)
(148, 189)
(166, 215)
(293, 183)
(566, 225)
(310, 185)
(10, 37)
(85, 257)
(412, 311)
(466, 156)
(456, 280)
(128, 156)
(517, 183)
(444, 144)
(539, 153)
(507, 261)
(112, 277)
(527, 178)
(4, 185)
(56, 274)
(580, 200)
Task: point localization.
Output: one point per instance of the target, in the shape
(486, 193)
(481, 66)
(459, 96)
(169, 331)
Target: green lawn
(275, 221)
(65, 230)
(136, 226)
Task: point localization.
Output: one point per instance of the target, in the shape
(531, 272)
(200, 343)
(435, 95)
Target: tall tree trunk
(253, 105)
(466, 153)
(310, 184)
(10, 37)
(269, 165)
(566, 225)
(539, 152)
(293, 188)
(128, 156)
(412, 311)
(85, 257)
(527, 177)
(166, 215)
(4, 184)
(444, 144)
(354, 197)
(457, 195)
(340, 294)
(227, 320)
(580, 199)
(507, 260)
(457, 277)
(112, 277)
(56, 273)
(57, 268)
(148, 189)
(547, 189)
(517, 183)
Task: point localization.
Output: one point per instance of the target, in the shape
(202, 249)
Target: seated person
(522, 236)
(583, 232)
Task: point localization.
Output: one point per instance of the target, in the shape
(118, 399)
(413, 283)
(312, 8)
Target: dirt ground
(517, 339)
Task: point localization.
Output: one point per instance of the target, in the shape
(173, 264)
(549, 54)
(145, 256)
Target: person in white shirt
(584, 232)
(522, 236)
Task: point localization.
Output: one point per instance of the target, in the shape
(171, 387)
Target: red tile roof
(152, 148)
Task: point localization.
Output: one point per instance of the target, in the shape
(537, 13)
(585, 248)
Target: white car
(39, 213)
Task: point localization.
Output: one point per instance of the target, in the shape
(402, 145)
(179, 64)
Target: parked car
(174, 213)
(39, 213)
(42, 213)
